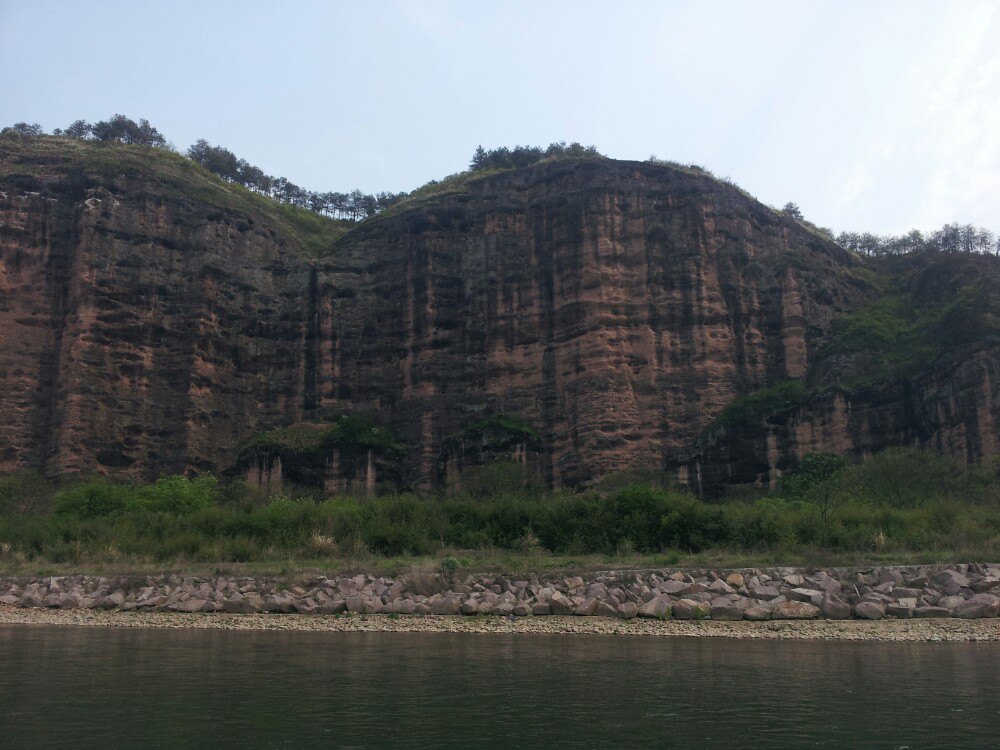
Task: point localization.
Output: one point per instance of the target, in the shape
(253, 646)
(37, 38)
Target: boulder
(399, 606)
(627, 610)
(446, 605)
(932, 612)
(835, 608)
(113, 600)
(795, 611)
(561, 605)
(70, 600)
(469, 607)
(723, 609)
(604, 609)
(189, 605)
(756, 613)
(952, 577)
(586, 609)
(253, 603)
(869, 611)
(658, 607)
(762, 591)
(521, 609)
(735, 580)
(950, 602)
(980, 605)
(901, 610)
(805, 595)
(302, 606)
(541, 609)
(673, 587)
(720, 587)
(281, 601)
(689, 609)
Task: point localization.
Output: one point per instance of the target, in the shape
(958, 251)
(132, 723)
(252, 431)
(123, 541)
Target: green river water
(66, 687)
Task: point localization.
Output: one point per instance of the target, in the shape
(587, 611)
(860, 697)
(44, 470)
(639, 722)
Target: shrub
(96, 499)
(179, 496)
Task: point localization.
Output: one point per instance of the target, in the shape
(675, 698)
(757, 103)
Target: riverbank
(952, 630)
(964, 592)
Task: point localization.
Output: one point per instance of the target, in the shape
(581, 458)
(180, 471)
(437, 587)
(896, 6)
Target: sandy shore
(849, 630)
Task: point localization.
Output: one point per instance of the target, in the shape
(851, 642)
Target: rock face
(947, 399)
(141, 329)
(602, 313)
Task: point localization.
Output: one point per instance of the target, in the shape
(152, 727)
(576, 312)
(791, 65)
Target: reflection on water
(102, 688)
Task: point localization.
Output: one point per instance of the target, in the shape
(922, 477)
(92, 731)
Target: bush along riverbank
(958, 591)
(890, 507)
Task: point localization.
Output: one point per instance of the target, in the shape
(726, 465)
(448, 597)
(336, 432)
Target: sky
(870, 116)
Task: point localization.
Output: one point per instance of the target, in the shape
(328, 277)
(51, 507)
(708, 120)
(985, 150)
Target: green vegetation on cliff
(749, 410)
(69, 167)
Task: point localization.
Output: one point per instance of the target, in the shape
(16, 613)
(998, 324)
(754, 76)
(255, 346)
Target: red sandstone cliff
(153, 319)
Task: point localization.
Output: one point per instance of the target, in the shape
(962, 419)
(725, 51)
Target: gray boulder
(541, 609)
(723, 609)
(689, 609)
(795, 611)
(446, 605)
(627, 610)
(756, 613)
(901, 610)
(952, 577)
(950, 602)
(659, 607)
(932, 612)
(762, 591)
(561, 605)
(869, 611)
(604, 609)
(835, 608)
(302, 606)
(980, 605)
(805, 595)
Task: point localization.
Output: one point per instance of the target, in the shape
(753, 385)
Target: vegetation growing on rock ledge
(749, 410)
(305, 448)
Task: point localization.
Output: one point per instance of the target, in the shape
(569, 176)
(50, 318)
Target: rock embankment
(960, 591)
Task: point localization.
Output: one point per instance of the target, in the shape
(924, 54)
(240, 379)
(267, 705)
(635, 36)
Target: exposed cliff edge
(579, 315)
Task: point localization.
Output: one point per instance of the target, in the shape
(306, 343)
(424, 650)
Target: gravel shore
(849, 630)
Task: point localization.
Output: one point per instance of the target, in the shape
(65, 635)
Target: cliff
(581, 316)
(918, 365)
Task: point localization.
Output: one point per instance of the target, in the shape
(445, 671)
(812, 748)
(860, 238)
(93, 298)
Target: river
(107, 688)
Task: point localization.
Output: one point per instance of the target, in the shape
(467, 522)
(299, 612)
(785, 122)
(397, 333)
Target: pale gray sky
(871, 116)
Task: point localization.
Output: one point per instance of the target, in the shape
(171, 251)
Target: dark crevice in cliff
(310, 345)
(59, 272)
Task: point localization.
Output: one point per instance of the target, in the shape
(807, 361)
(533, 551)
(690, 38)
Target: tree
(79, 129)
(792, 211)
(478, 159)
(28, 130)
(815, 481)
(126, 130)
